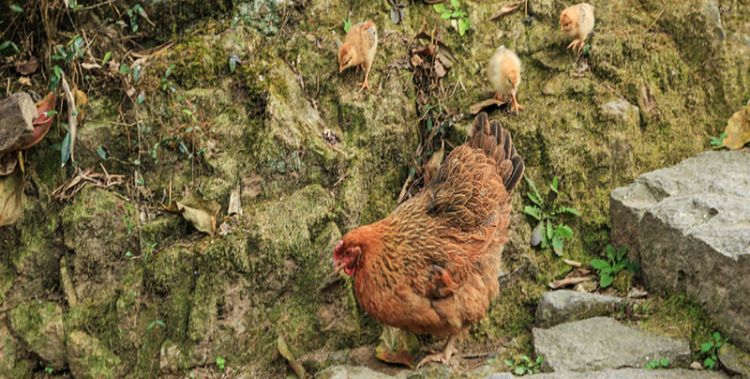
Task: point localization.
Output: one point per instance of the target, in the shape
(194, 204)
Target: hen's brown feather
(431, 266)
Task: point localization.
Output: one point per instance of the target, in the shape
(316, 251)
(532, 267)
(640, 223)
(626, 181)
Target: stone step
(603, 343)
(556, 307)
(625, 373)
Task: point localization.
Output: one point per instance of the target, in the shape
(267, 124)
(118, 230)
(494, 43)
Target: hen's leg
(574, 44)
(441, 357)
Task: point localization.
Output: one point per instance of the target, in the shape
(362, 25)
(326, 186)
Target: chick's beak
(341, 68)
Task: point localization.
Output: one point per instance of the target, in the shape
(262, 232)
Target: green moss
(40, 326)
(88, 358)
(677, 316)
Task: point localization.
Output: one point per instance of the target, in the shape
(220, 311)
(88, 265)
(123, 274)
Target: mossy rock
(88, 358)
(100, 228)
(40, 326)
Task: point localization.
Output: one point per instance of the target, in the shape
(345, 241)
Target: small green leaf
(599, 264)
(706, 347)
(101, 152)
(347, 26)
(568, 210)
(557, 245)
(140, 99)
(455, 4)
(446, 15)
(463, 26)
(520, 370)
(509, 362)
(549, 231)
(221, 363)
(564, 231)
(136, 74)
(709, 363)
(16, 8)
(124, 69)
(554, 185)
(664, 362)
(533, 212)
(107, 57)
(65, 150)
(606, 280)
(440, 7)
(535, 198)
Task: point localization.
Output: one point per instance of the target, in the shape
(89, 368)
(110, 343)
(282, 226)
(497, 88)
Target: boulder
(16, 114)
(687, 227)
(88, 358)
(40, 327)
(600, 343)
(556, 307)
(735, 360)
(352, 372)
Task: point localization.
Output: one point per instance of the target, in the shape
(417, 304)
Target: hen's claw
(441, 357)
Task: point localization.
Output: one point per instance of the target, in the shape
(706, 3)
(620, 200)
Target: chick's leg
(515, 106)
(441, 357)
(365, 84)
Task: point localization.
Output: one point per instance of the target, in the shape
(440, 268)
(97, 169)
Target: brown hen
(432, 265)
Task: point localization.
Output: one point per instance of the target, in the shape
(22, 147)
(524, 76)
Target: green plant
(133, 13)
(9, 44)
(525, 365)
(74, 49)
(459, 18)
(616, 261)
(718, 142)
(347, 25)
(709, 350)
(546, 211)
(221, 363)
(154, 323)
(49, 370)
(657, 363)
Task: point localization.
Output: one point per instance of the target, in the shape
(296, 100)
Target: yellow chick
(359, 47)
(577, 21)
(504, 72)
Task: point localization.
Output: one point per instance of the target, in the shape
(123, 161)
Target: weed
(133, 13)
(49, 370)
(155, 323)
(525, 365)
(546, 212)
(347, 26)
(718, 142)
(9, 44)
(166, 83)
(616, 261)
(657, 363)
(221, 363)
(709, 350)
(459, 18)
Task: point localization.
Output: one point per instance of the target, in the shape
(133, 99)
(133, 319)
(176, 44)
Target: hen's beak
(338, 268)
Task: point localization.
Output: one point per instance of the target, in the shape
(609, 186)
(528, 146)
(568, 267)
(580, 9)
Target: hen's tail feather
(498, 144)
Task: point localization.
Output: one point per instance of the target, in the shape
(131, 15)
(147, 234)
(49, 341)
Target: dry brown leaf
(283, 349)
(738, 129)
(440, 71)
(28, 67)
(478, 107)
(572, 263)
(11, 198)
(506, 9)
(24, 81)
(201, 213)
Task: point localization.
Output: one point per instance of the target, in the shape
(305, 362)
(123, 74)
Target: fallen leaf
(90, 66)
(440, 70)
(235, 206)
(8, 163)
(11, 198)
(506, 9)
(283, 349)
(572, 263)
(24, 81)
(28, 67)
(81, 100)
(201, 213)
(738, 129)
(42, 122)
(397, 346)
(416, 60)
(478, 107)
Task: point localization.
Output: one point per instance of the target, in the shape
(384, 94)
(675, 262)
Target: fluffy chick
(504, 72)
(359, 48)
(577, 21)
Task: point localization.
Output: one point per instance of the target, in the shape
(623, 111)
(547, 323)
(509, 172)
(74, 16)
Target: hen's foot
(441, 357)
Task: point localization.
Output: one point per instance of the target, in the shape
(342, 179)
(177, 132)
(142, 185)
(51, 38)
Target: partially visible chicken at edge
(431, 266)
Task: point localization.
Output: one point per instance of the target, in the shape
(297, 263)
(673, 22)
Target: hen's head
(347, 54)
(346, 257)
(349, 254)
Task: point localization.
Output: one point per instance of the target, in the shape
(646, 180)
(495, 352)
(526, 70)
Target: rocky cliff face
(107, 284)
